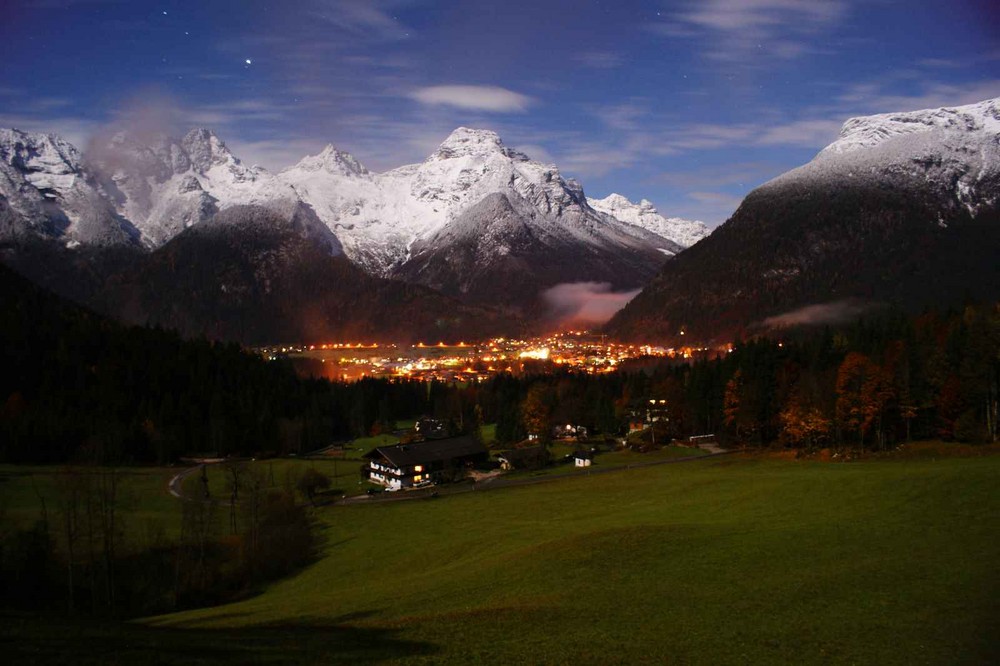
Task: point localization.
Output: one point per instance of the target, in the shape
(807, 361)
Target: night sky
(688, 104)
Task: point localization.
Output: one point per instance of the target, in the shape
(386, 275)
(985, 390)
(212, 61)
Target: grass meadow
(730, 560)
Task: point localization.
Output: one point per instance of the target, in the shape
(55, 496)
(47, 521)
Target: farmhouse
(583, 458)
(406, 465)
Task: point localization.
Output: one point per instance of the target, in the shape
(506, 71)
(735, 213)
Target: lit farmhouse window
(418, 477)
(418, 468)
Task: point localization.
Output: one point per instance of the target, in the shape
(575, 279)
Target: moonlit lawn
(731, 560)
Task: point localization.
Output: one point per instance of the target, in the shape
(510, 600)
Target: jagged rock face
(500, 251)
(130, 191)
(379, 217)
(902, 208)
(156, 187)
(430, 222)
(165, 186)
(644, 214)
(49, 192)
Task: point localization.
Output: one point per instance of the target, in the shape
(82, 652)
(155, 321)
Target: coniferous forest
(79, 387)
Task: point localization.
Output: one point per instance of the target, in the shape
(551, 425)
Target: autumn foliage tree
(537, 411)
(804, 425)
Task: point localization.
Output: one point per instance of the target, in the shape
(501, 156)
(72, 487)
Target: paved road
(176, 483)
(174, 486)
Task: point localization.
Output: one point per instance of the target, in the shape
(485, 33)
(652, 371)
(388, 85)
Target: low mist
(584, 304)
(836, 312)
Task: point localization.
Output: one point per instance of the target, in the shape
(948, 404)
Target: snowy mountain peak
(206, 150)
(465, 142)
(869, 131)
(332, 160)
(49, 191)
(38, 152)
(644, 214)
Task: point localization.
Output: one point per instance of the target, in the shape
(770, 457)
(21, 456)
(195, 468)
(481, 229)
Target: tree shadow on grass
(40, 640)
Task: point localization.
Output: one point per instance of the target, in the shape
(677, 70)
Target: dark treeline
(880, 381)
(77, 387)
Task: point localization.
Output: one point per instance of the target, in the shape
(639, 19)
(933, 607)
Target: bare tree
(235, 471)
(71, 506)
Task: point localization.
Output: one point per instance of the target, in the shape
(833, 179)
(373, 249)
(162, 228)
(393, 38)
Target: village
(581, 351)
(427, 455)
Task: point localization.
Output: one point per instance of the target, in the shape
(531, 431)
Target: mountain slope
(47, 191)
(248, 274)
(643, 214)
(498, 251)
(431, 222)
(164, 186)
(901, 208)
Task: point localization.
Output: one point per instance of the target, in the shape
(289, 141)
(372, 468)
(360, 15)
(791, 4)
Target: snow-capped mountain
(901, 208)
(476, 219)
(47, 191)
(131, 192)
(869, 131)
(379, 217)
(643, 214)
(164, 186)
(953, 152)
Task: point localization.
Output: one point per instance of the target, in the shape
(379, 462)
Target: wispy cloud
(808, 133)
(368, 18)
(733, 29)
(274, 154)
(882, 96)
(479, 98)
(75, 130)
(600, 59)
(625, 116)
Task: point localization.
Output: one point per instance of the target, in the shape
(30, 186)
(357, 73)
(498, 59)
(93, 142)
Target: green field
(608, 460)
(343, 472)
(727, 560)
(26, 492)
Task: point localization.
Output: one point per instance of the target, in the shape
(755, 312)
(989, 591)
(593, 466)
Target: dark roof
(513, 455)
(419, 453)
(583, 455)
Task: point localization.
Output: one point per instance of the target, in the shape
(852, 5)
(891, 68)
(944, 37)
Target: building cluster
(462, 361)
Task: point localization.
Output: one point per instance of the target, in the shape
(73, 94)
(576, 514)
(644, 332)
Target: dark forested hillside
(795, 245)
(78, 386)
(249, 276)
(252, 276)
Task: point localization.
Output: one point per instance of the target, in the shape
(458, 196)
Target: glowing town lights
(459, 361)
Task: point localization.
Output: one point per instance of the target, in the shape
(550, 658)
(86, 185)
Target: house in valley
(419, 463)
